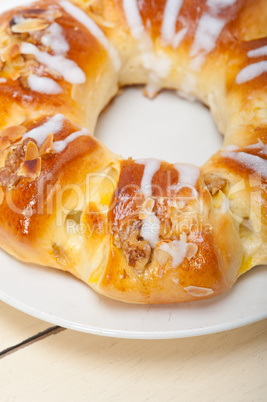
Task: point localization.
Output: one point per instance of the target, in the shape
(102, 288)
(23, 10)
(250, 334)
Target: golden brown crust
(68, 202)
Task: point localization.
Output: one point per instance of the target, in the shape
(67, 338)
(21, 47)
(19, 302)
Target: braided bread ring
(140, 231)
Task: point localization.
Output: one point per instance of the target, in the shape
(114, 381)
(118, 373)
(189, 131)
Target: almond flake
(142, 215)
(2, 196)
(30, 169)
(14, 74)
(183, 237)
(191, 250)
(162, 257)
(31, 151)
(13, 132)
(198, 291)
(47, 145)
(148, 205)
(4, 143)
(10, 52)
(30, 25)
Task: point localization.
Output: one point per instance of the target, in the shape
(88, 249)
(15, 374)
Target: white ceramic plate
(166, 128)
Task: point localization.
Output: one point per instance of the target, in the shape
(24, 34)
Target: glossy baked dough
(141, 231)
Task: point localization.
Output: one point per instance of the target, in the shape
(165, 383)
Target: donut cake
(139, 231)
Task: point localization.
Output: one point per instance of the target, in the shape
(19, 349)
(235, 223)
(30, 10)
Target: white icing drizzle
(261, 51)
(159, 64)
(251, 71)
(134, 19)
(188, 174)
(86, 21)
(178, 37)
(151, 167)
(220, 3)
(150, 229)
(177, 249)
(10, 4)
(65, 67)
(53, 37)
(259, 146)
(207, 33)
(168, 27)
(53, 125)
(44, 85)
(3, 80)
(198, 291)
(59, 146)
(252, 162)
(151, 225)
(231, 148)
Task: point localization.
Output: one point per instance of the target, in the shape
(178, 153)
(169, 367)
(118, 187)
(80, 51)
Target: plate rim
(138, 335)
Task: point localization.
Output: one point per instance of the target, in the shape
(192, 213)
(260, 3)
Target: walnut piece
(214, 182)
(136, 250)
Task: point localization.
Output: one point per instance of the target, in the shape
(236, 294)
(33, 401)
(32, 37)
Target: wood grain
(16, 326)
(71, 366)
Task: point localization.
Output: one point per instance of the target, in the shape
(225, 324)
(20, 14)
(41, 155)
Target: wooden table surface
(41, 362)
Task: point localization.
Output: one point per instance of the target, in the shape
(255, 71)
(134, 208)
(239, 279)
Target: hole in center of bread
(167, 128)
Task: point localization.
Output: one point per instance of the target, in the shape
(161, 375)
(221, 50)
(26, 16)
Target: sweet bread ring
(141, 231)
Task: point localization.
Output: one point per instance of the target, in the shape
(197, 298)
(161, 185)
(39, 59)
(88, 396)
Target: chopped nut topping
(162, 256)
(13, 133)
(31, 169)
(147, 208)
(23, 82)
(214, 182)
(183, 237)
(47, 146)
(191, 250)
(31, 151)
(14, 74)
(30, 25)
(7, 178)
(136, 250)
(53, 73)
(10, 52)
(198, 291)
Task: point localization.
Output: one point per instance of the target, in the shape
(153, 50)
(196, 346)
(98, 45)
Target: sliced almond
(53, 73)
(30, 25)
(10, 52)
(148, 205)
(14, 74)
(31, 151)
(142, 215)
(191, 250)
(30, 169)
(13, 132)
(198, 291)
(183, 237)
(162, 257)
(4, 143)
(2, 196)
(47, 145)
